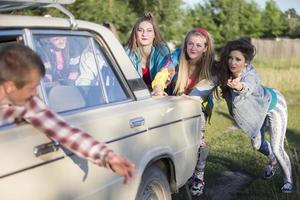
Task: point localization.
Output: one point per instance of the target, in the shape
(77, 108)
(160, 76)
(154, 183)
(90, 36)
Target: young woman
(146, 48)
(61, 61)
(188, 71)
(254, 107)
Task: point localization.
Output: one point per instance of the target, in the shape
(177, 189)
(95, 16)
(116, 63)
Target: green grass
(277, 63)
(233, 151)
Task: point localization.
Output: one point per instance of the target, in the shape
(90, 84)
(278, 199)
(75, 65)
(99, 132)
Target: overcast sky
(282, 4)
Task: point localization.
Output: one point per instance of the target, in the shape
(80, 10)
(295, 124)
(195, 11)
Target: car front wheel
(154, 185)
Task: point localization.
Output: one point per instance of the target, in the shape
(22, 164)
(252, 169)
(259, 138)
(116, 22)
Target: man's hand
(158, 91)
(121, 166)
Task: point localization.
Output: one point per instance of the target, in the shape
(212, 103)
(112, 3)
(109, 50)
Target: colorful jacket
(157, 57)
(168, 70)
(202, 90)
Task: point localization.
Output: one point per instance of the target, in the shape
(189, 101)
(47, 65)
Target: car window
(6, 40)
(78, 72)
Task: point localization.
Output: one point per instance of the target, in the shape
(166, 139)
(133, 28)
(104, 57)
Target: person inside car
(61, 60)
(20, 72)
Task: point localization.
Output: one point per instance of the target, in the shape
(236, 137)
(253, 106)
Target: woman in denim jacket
(255, 107)
(146, 48)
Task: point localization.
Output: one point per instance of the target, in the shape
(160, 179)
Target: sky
(282, 4)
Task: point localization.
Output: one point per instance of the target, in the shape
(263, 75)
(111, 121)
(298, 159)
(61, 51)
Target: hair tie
(203, 31)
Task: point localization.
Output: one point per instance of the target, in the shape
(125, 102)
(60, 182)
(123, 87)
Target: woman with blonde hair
(146, 47)
(188, 71)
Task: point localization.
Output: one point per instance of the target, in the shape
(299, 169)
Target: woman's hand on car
(158, 91)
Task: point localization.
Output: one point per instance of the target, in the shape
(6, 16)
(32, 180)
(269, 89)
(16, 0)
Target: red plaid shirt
(40, 116)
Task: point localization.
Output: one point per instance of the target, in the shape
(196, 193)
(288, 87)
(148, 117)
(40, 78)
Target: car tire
(154, 185)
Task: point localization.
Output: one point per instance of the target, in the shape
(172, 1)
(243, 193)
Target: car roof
(9, 5)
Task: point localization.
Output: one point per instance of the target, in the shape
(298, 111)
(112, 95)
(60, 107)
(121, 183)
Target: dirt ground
(230, 183)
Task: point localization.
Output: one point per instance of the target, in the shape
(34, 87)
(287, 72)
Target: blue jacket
(249, 107)
(157, 57)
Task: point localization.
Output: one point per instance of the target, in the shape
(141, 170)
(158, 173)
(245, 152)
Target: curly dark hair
(244, 46)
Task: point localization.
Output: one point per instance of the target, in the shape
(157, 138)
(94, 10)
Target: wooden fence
(280, 48)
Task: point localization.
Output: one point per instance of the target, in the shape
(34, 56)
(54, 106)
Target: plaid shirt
(36, 113)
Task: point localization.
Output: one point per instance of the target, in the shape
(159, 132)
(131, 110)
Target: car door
(31, 163)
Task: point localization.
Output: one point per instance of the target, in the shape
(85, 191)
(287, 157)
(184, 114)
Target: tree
(291, 13)
(226, 18)
(230, 20)
(294, 23)
(250, 21)
(203, 16)
(273, 20)
(117, 12)
(169, 15)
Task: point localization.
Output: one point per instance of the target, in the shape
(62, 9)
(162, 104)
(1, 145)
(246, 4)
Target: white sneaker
(197, 188)
(270, 170)
(287, 188)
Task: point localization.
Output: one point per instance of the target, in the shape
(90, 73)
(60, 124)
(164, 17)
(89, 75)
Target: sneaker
(270, 170)
(197, 187)
(287, 188)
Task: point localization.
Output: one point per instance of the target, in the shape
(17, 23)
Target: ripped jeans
(203, 151)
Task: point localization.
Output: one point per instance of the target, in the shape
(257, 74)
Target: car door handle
(135, 122)
(46, 148)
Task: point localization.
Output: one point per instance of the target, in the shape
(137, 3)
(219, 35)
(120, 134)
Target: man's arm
(76, 140)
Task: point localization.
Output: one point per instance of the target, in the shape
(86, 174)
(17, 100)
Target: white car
(109, 100)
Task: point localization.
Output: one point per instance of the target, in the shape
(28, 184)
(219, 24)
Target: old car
(112, 103)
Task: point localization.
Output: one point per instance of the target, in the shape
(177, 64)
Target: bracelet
(241, 88)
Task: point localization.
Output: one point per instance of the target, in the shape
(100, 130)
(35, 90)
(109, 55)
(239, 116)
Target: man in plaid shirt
(20, 72)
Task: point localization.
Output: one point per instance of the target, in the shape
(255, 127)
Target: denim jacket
(157, 57)
(249, 107)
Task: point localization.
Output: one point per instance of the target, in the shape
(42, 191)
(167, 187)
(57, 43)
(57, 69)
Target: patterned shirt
(41, 117)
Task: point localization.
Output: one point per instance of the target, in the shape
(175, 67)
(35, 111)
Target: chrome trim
(46, 148)
(136, 122)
